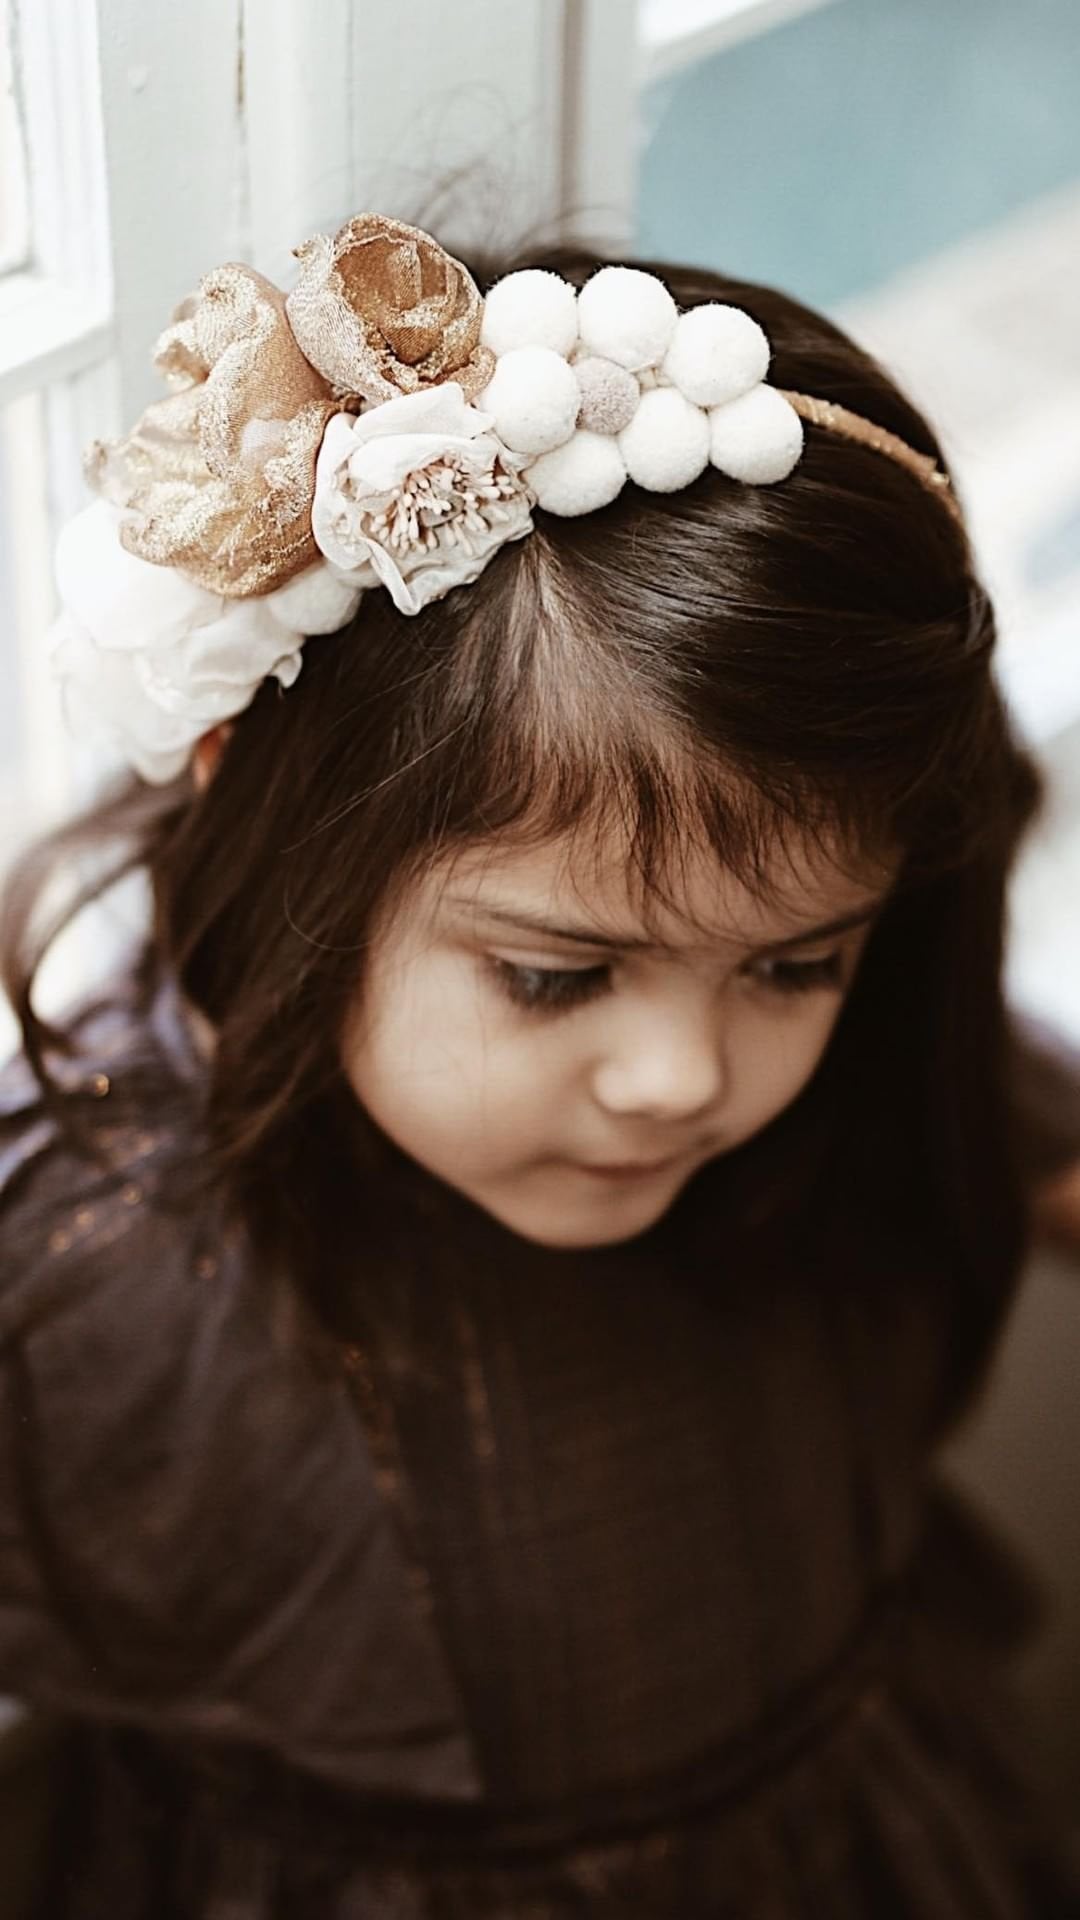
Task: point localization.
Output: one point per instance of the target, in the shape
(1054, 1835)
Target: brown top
(640, 1596)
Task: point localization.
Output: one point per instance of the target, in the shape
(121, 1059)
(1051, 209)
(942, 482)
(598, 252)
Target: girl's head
(742, 744)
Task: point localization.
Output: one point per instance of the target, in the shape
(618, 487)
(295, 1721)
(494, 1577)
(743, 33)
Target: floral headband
(383, 424)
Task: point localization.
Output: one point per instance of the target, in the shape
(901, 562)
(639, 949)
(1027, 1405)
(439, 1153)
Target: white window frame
(55, 312)
(57, 372)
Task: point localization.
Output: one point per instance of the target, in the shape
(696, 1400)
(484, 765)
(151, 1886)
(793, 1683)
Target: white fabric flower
(148, 660)
(417, 493)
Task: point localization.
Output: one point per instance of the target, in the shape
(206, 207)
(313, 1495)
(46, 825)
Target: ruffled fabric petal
(218, 478)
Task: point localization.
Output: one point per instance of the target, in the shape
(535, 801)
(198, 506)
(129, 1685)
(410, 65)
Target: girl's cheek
(777, 1056)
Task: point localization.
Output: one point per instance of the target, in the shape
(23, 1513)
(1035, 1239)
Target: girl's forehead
(591, 883)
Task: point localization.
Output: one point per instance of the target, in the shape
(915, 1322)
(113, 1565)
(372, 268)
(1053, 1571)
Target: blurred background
(911, 166)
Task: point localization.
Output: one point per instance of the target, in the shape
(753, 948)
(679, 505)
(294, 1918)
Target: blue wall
(829, 153)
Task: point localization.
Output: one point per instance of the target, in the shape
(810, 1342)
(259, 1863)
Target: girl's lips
(629, 1169)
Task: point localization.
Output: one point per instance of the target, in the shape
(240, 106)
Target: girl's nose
(664, 1066)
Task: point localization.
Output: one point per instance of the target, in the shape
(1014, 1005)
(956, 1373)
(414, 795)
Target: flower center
(441, 504)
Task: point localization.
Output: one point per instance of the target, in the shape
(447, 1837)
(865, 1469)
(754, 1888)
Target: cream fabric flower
(417, 493)
(148, 660)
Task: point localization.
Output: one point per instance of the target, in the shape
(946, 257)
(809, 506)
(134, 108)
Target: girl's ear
(208, 752)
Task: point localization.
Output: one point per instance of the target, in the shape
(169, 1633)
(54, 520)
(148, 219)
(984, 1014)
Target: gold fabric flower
(218, 478)
(382, 310)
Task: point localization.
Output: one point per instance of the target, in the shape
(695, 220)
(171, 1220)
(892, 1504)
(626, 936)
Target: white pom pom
(666, 444)
(584, 474)
(314, 601)
(716, 353)
(626, 316)
(757, 438)
(533, 308)
(609, 395)
(533, 398)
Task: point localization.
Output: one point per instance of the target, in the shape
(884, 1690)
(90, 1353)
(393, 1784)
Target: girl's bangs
(574, 754)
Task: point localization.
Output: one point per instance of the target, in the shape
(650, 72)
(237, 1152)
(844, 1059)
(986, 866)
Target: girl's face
(525, 1038)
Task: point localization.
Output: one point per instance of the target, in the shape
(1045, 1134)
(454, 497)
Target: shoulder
(87, 1172)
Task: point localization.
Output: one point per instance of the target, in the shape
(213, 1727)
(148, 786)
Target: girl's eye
(556, 989)
(548, 989)
(802, 976)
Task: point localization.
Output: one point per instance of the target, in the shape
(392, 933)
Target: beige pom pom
(609, 395)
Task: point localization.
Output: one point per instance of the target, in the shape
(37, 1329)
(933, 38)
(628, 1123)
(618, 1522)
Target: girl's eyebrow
(528, 922)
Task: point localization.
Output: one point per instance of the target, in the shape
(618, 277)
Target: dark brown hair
(734, 662)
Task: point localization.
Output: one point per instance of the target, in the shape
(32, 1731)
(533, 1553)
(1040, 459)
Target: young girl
(483, 1289)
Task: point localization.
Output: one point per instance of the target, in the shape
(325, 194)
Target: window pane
(14, 224)
(29, 708)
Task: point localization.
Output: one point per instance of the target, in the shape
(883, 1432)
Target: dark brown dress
(639, 1598)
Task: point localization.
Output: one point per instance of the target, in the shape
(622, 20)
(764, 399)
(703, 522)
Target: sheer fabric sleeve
(43, 1655)
(190, 1515)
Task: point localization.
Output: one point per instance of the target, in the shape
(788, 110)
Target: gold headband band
(852, 426)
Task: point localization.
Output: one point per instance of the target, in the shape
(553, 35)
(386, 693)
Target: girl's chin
(599, 1213)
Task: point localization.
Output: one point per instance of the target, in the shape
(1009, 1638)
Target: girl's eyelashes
(556, 989)
(803, 976)
(548, 989)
